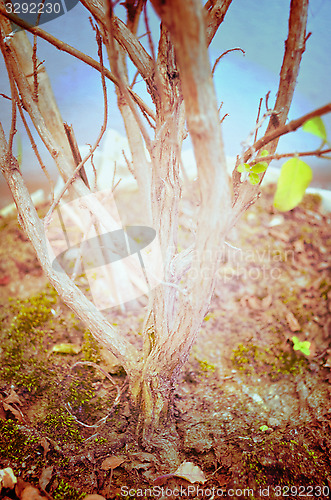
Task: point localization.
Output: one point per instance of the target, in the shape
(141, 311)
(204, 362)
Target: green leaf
(66, 348)
(243, 167)
(258, 168)
(264, 153)
(295, 177)
(253, 178)
(303, 346)
(316, 126)
(263, 428)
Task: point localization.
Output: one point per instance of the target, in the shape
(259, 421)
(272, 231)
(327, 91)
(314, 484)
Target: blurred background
(259, 27)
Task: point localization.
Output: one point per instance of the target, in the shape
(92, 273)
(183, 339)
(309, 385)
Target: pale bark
(180, 84)
(66, 289)
(60, 45)
(244, 193)
(21, 51)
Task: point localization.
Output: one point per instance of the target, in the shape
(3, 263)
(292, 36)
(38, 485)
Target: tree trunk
(151, 396)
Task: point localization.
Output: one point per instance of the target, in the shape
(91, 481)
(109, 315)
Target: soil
(252, 405)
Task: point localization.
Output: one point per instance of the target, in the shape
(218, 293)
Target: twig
(149, 35)
(316, 152)
(126, 38)
(134, 79)
(244, 195)
(257, 119)
(97, 142)
(267, 100)
(122, 87)
(222, 119)
(34, 58)
(94, 173)
(222, 55)
(75, 53)
(35, 150)
(75, 151)
(294, 49)
(285, 129)
(215, 17)
(13, 108)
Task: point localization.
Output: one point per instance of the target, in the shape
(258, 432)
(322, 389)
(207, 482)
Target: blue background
(257, 26)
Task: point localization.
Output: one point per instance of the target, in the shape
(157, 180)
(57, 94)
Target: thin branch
(223, 118)
(75, 151)
(317, 152)
(123, 88)
(138, 55)
(257, 119)
(15, 99)
(215, 17)
(35, 150)
(224, 54)
(13, 105)
(97, 142)
(285, 129)
(149, 34)
(73, 52)
(267, 100)
(35, 71)
(134, 79)
(68, 291)
(294, 49)
(245, 195)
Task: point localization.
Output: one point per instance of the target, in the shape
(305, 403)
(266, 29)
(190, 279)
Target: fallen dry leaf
(266, 302)
(327, 364)
(190, 472)
(292, 322)
(16, 412)
(13, 398)
(299, 246)
(254, 303)
(94, 497)
(5, 280)
(7, 478)
(45, 477)
(112, 463)
(281, 235)
(46, 446)
(25, 491)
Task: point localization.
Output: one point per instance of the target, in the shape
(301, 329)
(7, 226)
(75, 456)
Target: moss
(16, 445)
(206, 366)
(67, 492)
(90, 348)
(288, 462)
(22, 340)
(272, 361)
(209, 316)
(311, 202)
(324, 287)
(61, 425)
